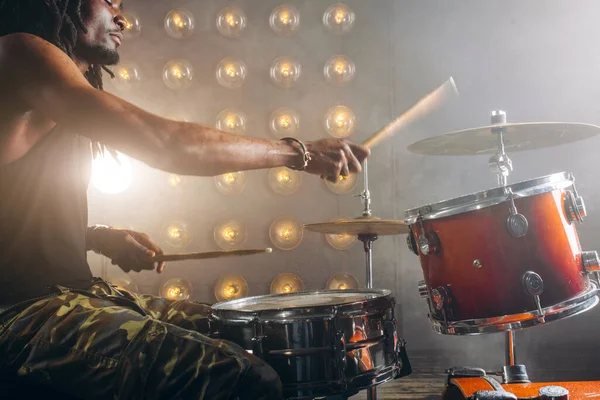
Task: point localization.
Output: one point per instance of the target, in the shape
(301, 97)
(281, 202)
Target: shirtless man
(60, 326)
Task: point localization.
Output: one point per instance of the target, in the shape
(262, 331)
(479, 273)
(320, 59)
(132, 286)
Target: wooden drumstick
(424, 106)
(209, 254)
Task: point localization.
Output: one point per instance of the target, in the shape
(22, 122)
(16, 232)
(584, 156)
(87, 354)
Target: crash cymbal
(517, 137)
(360, 225)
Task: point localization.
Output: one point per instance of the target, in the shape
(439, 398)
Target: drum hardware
(516, 223)
(499, 162)
(553, 393)
(534, 286)
(411, 243)
(477, 263)
(574, 207)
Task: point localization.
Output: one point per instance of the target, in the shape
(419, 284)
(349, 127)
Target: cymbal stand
(368, 240)
(499, 162)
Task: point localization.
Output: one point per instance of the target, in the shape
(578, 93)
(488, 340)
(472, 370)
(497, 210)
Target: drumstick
(424, 106)
(209, 254)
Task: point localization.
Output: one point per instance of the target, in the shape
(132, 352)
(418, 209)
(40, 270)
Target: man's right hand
(331, 158)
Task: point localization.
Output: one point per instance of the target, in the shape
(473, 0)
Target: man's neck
(82, 65)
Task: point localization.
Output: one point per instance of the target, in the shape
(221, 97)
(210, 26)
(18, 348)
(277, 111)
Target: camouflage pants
(107, 344)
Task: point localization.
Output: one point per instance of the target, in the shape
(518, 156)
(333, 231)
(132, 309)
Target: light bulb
(178, 74)
(232, 121)
(230, 235)
(127, 77)
(176, 234)
(340, 121)
(285, 233)
(285, 122)
(285, 72)
(339, 70)
(339, 19)
(177, 288)
(231, 73)
(231, 183)
(230, 287)
(286, 283)
(231, 22)
(179, 23)
(285, 20)
(343, 185)
(133, 25)
(110, 175)
(284, 180)
(340, 241)
(341, 281)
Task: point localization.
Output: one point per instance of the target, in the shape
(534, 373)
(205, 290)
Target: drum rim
(218, 307)
(488, 198)
(578, 304)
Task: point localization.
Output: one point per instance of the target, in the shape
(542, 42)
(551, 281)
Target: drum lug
(411, 243)
(574, 206)
(257, 346)
(534, 286)
(442, 302)
(423, 292)
(516, 223)
(390, 331)
(590, 261)
(402, 357)
(339, 355)
(429, 243)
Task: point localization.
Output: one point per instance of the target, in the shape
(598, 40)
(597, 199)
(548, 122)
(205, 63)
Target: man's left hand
(130, 250)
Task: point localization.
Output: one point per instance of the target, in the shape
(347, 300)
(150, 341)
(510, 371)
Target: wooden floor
(414, 387)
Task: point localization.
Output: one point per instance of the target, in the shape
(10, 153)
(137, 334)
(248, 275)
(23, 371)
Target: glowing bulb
(176, 234)
(285, 233)
(230, 235)
(339, 19)
(341, 281)
(178, 74)
(285, 72)
(174, 180)
(110, 175)
(133, 25)
(285, 123)
(231, 183)
(286, 283)
(340, 121)
(285, 20)
(232, 121)
(339, 70)
(230, 287)
(127, 77)
(284, 180)
(176, 289)
(343, 185)
(341, 241)
(179, 23)
(231, 73)
(231, 22)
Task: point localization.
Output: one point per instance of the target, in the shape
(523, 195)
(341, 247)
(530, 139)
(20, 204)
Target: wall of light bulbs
(268, 70)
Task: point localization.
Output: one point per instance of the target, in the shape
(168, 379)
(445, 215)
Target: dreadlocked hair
(56, 21)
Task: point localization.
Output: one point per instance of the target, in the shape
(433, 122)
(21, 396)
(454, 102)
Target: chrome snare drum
(320, 343)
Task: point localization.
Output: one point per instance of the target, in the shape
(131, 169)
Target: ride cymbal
(516, 137)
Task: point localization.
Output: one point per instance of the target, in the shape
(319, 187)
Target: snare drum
(504, 259)
(321, 343)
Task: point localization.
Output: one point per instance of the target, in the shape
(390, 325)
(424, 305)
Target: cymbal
(361, 225)
(517, 137)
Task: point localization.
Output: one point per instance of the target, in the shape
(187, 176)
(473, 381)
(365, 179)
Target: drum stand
(511, 372)
(368, 240)
(499, 162)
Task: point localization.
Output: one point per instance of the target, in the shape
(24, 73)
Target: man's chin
(101, 56)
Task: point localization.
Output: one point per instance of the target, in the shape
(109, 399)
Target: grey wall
(537, 60)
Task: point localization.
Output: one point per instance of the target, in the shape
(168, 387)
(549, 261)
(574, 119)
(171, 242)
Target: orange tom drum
(476, 388)
(504, 259)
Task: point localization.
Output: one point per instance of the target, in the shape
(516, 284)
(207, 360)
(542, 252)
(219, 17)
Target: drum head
(297, 300)
(489, 198)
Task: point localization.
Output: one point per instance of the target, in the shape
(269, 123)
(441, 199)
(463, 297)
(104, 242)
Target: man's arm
(47, 80)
